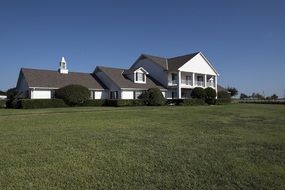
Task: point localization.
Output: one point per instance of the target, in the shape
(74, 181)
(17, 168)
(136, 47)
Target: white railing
(211, 84)
(199, 83)
(172, 82)
(186, 82)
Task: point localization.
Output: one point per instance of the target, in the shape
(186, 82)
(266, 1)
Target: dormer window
(140, 75)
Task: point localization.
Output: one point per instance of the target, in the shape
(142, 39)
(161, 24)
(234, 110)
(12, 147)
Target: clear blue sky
(244, 40)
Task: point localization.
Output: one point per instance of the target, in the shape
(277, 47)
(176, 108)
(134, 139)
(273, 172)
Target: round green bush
(198, 93)
(152, 97)
(12, 98)
(73, 94)
(210, 96)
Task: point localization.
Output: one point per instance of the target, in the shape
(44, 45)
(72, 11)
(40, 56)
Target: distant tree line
(258, 96)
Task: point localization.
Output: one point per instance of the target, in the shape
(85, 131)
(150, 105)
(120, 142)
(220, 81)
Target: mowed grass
(203, 147)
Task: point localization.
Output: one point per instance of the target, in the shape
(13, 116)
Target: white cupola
(63, 66)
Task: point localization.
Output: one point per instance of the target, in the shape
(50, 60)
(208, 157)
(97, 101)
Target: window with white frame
(200, 78)
(188, 78)
(139, 77)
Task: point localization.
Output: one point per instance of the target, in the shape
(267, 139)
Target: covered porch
(190, 80)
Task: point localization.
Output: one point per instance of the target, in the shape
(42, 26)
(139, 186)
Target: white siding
(127, 95)
(101, 94)
(98, 94)
(197, 65)
(2, 97)
(41, 94)
(163, 93)
(154, 70)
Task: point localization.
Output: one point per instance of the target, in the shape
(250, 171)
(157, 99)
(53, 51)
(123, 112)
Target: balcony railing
(211, 84)
(199, 83)
(172, 82)
(186, 82)
(190, 83)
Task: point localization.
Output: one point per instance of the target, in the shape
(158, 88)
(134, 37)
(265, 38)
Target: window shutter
(137, 76)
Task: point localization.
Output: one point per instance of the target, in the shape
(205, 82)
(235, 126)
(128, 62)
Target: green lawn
(203, 147)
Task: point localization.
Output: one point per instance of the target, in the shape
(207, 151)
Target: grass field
(203, 147)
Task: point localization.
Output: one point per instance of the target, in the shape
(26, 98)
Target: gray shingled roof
(53, 79)
(117, 76)
(158, 60)
(170, 64)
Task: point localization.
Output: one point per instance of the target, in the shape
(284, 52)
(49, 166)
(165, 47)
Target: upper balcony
(191, 80)
(187, 82)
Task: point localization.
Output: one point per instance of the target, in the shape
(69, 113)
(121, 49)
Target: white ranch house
(175, 77)
(3, 97)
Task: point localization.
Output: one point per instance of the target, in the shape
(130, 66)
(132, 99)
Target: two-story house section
(180, 74)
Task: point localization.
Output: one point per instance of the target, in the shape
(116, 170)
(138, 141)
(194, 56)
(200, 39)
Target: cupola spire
(63, 66)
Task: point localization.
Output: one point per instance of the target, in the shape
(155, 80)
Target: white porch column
(179, 84)
(205, 81)
(193, 79)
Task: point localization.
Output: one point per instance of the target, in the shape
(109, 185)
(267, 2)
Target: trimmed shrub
(40, 103)
(192, 102)
(210, 96)
(186, 102)
(93, 103)
(174, 101)
(111, 102)
(223, 98)
(136, 102)
(198, 93)
(2, 103)
(73, 94)
(121, 103)
(13, 98)
(153, 97)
